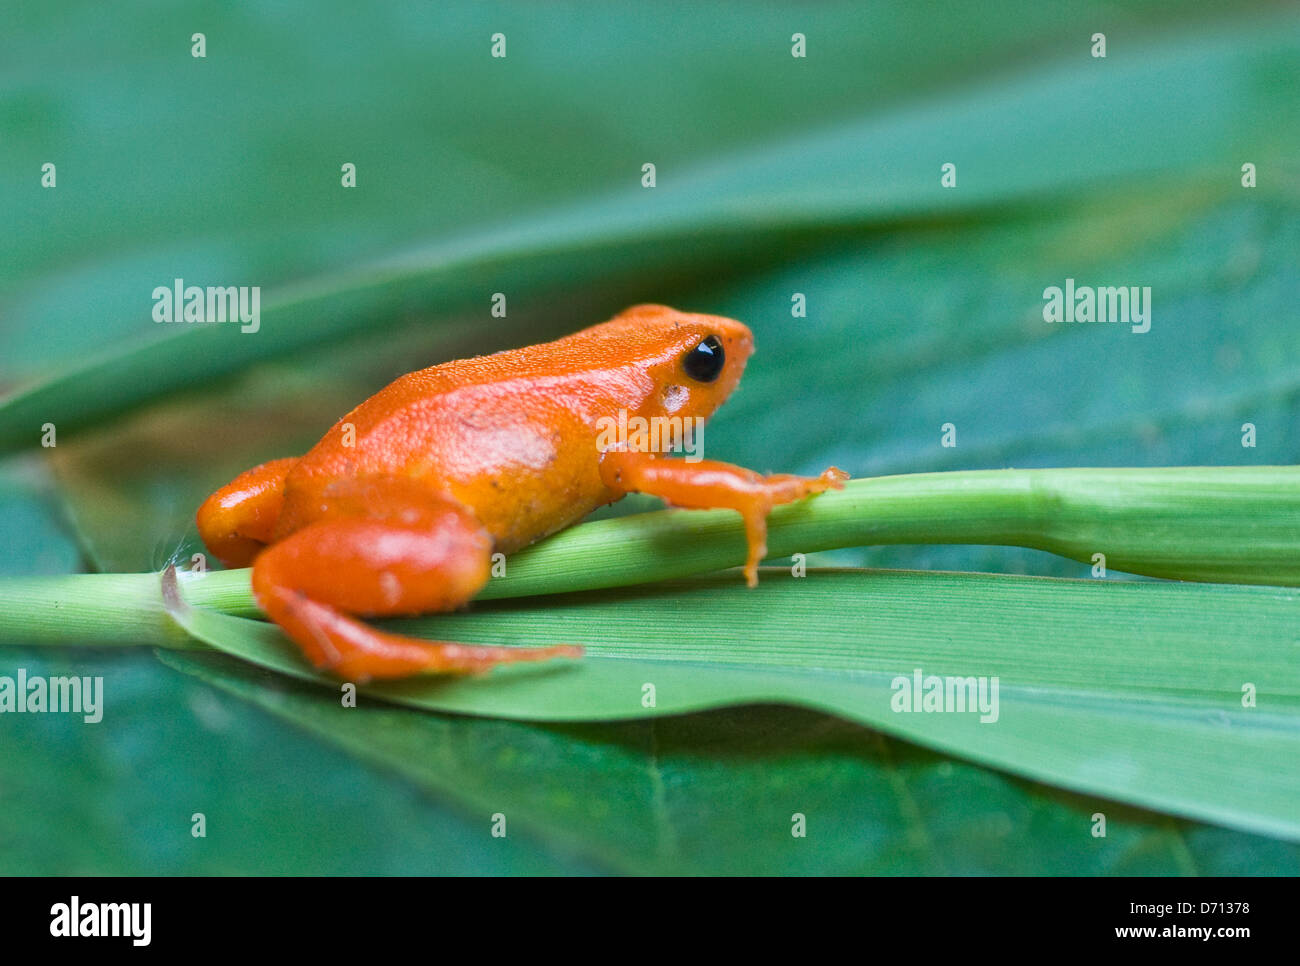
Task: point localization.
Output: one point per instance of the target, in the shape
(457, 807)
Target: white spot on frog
(675, 398)
(521, 447)
(390, 587)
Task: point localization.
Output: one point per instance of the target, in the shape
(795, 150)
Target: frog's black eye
(704, 362)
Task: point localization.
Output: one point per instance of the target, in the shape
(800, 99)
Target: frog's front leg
(708, 485)
(381, 550)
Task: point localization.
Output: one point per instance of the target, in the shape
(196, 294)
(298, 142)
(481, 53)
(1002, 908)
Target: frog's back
(512, 435)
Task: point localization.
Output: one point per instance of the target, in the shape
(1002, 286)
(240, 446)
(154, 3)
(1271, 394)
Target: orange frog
(399, 508)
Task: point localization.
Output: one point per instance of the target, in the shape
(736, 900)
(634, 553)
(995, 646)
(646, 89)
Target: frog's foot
(707, 485)
(238, 520)
(434, 558)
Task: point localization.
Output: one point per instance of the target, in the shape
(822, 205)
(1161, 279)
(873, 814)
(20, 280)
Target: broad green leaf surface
(1016, 140)
(715, 793)
(1107, 687)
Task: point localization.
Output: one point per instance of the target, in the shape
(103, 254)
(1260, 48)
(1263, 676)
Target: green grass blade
(1235, 524)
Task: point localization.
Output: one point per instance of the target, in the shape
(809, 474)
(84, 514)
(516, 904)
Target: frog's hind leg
(238, 520)
(382, 554)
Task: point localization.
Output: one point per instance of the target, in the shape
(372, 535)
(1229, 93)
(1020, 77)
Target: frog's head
(695, 361)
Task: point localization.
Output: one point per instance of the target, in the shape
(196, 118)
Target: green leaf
(1016, 141)
(716, 793)
(1132, 691)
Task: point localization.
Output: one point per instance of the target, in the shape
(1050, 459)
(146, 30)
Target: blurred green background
(775, 175)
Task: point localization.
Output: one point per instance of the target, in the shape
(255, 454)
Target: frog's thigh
(386, 555)
(380, 567)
